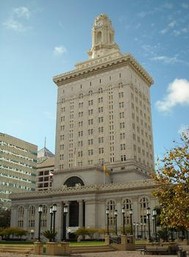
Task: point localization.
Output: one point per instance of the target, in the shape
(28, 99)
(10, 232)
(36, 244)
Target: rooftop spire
(102, 37)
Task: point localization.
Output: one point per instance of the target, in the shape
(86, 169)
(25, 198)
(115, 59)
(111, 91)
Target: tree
(172, 178)
(4, 218)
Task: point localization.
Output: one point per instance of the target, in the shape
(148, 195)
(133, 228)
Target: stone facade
(104, 146)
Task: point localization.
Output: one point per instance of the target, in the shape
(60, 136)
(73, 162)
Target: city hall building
(104, 145)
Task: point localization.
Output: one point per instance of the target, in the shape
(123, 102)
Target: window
(90, 152)
(90, 131)
(127, 205)
(100, 109)
(121, 114)
(122, 135)
(90, 102)
(122, 125)
(90, 122)
(121, 104)
(90, 112)
(80, 133)
(121, 94)
(90, 141)
(100, 129)
(122, 147)
(101, 140)
(100, 119)
(100, 150)
(123, 158)
(100, 90)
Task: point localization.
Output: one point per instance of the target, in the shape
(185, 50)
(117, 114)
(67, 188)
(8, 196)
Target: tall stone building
(104, 146)
(18, 161)
(45, 169)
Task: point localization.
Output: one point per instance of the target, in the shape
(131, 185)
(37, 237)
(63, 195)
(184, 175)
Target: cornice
(92, 189)
(87, 71)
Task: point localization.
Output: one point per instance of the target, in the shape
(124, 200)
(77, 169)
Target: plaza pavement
(103, 254)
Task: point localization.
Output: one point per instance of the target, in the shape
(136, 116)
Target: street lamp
(65, 211)
(54, 210)
(40, 210)
(155, 221)
(148, 216)
(123, 213)
(107, 215)
(51, 214)
(131, 220)
(115, 217)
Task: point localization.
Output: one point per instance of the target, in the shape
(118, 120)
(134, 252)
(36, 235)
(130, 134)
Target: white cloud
(177, 94)
(14, 25)
(165, 59)
(168, 60)
(22, 12)
(59, 50)
(17, 19)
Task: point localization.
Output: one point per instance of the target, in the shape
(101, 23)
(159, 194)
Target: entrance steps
(18, 248)
(91, 249)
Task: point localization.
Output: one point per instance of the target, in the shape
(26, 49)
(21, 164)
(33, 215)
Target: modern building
(104, 145)
(45, 169)
(18, 161)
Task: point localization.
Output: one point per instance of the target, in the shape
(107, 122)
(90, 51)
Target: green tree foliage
(4, 217)
(172, 178)
(13, 232)
(86, 232)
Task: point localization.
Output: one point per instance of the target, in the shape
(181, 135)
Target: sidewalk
(105, 254)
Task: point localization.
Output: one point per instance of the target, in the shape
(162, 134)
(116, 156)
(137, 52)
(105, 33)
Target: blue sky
(42, 38)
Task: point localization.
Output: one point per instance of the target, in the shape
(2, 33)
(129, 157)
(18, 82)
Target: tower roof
(44, 152)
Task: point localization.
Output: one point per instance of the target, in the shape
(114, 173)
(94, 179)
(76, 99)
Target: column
(80, 213)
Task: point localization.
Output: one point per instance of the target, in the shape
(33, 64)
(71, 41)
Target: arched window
(44, 217)
(73, 181)
(144, 203)
(99, 37)
(31, 217)
(21, 217)
(127, 205)
(90, 92)
(111, 206)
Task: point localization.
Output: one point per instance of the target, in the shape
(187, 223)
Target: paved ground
(107, 254)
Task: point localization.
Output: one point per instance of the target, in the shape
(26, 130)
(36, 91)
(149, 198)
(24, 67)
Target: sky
(43, 38)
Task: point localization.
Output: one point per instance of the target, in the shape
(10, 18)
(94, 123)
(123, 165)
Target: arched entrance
(76, 208)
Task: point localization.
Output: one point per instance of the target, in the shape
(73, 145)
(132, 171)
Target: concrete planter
(38, 248)
(54, 248)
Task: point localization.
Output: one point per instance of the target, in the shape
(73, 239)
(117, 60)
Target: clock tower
(102, 38)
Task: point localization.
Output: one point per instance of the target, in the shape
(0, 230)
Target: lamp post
(32, 233)
(40, 210)
(54, 210)
(137, 224)
(123, 213)
(131, 220)
(148, 216)
(155, 221)
(51, 214)
(115, 217)
(65, 211)
(107, 215)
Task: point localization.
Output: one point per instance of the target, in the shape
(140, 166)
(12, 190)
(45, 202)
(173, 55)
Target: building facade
(45, 169)
(18, 161)
(104, 145)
